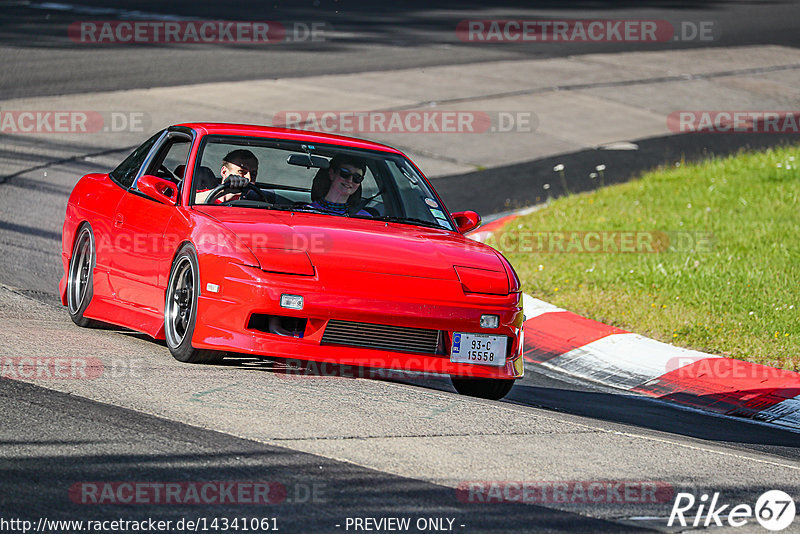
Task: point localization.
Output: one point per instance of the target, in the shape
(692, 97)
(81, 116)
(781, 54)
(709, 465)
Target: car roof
(250, 130)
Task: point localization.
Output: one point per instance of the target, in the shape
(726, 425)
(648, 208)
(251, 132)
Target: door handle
(118, 220)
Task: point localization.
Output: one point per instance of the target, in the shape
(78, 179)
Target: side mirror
(158, 189)
(466, 220)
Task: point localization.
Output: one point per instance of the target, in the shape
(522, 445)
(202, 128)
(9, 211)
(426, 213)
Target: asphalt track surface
(50, 439)
(39, 59)
(59, 440)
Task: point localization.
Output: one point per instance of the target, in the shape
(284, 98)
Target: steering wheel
(224, 188)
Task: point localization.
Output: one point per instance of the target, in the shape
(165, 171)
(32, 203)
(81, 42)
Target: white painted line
(619, 145)
(102, 11)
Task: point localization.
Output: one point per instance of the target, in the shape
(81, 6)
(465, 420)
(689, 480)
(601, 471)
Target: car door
(144, 242)
(100, 206)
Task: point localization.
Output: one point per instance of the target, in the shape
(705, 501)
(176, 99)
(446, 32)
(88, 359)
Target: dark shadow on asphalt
(30, 184)
(79, 164)
(29, 230)
(21, 140)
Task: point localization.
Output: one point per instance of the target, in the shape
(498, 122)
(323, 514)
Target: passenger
(239, 168)
(337, 189)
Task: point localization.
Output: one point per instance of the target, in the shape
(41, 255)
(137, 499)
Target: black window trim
(162, 141)
(165, 137)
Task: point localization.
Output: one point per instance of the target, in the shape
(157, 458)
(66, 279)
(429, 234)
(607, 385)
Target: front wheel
(180, 309)
(485, 388)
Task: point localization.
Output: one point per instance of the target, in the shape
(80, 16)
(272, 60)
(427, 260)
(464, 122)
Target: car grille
(381, 336)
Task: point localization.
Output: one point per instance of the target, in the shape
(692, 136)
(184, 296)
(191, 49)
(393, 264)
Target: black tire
(483, 387)
(80, 277)
(180, 309)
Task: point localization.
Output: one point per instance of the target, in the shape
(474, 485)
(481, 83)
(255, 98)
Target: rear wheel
(80, 279)
(483, 387)
(180, 309)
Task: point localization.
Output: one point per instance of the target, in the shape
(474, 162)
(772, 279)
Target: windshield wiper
(296, 207)
(409, 220)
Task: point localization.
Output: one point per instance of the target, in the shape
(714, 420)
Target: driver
(239, 168)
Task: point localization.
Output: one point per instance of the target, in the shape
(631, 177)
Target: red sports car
(225, 238)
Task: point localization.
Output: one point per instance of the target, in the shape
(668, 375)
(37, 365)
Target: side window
(372, 193)
(126, 171)
(170, 162)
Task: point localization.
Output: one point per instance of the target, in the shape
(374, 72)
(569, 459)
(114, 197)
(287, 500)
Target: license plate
(483, 349)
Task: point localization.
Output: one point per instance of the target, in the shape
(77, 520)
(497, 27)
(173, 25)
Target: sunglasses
(351, 175)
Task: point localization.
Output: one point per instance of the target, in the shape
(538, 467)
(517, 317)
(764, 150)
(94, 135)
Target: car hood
(332, 242)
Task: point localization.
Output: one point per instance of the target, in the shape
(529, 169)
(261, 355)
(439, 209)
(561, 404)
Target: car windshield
(317, 178)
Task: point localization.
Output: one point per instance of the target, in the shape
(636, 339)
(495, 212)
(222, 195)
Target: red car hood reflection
(359, 244)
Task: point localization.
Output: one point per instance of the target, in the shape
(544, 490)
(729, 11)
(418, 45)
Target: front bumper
(357, 296)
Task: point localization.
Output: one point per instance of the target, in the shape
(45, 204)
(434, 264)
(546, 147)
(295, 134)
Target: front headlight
(474, 280)
(286, 261)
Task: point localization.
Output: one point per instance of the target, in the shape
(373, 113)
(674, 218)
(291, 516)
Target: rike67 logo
(774, 510)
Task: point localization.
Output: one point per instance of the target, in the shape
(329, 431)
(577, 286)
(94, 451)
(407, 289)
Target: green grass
(735, 294)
